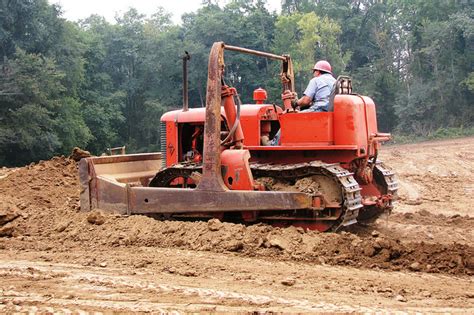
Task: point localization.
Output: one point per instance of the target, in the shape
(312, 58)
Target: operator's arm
(304, 101)
(309, 94)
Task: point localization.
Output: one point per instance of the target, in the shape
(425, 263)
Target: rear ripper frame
(110, 183)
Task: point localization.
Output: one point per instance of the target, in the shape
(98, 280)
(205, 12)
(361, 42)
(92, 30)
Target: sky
(79, 9)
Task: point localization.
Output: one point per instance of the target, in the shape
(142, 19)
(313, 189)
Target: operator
(316, 95)
(319, 88)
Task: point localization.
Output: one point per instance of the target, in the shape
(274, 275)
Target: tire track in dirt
(109, 286)
(84, 288)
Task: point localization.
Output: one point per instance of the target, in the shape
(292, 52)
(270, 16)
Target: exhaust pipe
(185, 57)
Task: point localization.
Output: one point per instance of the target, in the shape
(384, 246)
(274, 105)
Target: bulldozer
(324, 174)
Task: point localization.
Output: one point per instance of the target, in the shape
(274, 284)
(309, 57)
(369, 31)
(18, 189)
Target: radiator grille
(163, 143)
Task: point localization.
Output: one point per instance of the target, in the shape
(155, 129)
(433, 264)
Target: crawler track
(386, 180)
(344, 214)
(351, 200)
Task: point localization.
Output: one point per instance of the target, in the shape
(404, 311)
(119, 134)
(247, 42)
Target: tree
(241, 23)
(102, 101)
(309, 38)
(297, 6)
(38, 121)
(125, 66)
(439, 62)
(97, 84)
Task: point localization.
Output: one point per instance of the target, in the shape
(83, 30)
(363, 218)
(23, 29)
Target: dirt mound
(374, 251)
(43, 193)
(78, 154)
(46, 198)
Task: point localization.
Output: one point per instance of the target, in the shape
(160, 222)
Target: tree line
(96, 84)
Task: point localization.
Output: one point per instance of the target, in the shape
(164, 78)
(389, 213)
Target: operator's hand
(291, 96)
(294, 103)
(290, 100)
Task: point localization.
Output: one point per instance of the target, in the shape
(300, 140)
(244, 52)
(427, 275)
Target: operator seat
(343, 85)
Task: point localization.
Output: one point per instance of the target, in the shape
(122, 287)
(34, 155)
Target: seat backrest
(343, 85)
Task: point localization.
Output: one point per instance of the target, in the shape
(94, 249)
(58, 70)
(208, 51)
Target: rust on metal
(286, 218)
(211, 175)
(211, 178)
(121, 183)
(116, 150)
(380, 137)
(108, 189)
(287, 74)
(84, 180)
(103, 179)
(169, 200)
(255, 52)
(124, 158)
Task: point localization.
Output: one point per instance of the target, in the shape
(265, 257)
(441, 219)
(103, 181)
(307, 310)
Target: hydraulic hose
(236, 124)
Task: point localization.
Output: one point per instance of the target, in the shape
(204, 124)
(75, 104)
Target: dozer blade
(119, 184)
(104, 179)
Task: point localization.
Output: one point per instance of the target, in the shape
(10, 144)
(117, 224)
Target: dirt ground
(54, 258)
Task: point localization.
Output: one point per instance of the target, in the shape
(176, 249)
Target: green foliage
(70, 126)
(240, 23)
(36, 79)
(30, 25)
(447, 133)
(97, 84)
(38, 119)
(469, 82)
(27, 107)
(29, 135)
(104, 119)
(293, 6)
(438, 134)
(438, 93)
(307, 38)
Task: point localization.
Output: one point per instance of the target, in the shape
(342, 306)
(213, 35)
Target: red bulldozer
(323, 175)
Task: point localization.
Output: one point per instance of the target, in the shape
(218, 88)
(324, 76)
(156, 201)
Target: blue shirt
(318, 90)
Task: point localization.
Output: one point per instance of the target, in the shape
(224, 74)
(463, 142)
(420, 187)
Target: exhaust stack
(185, 57)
